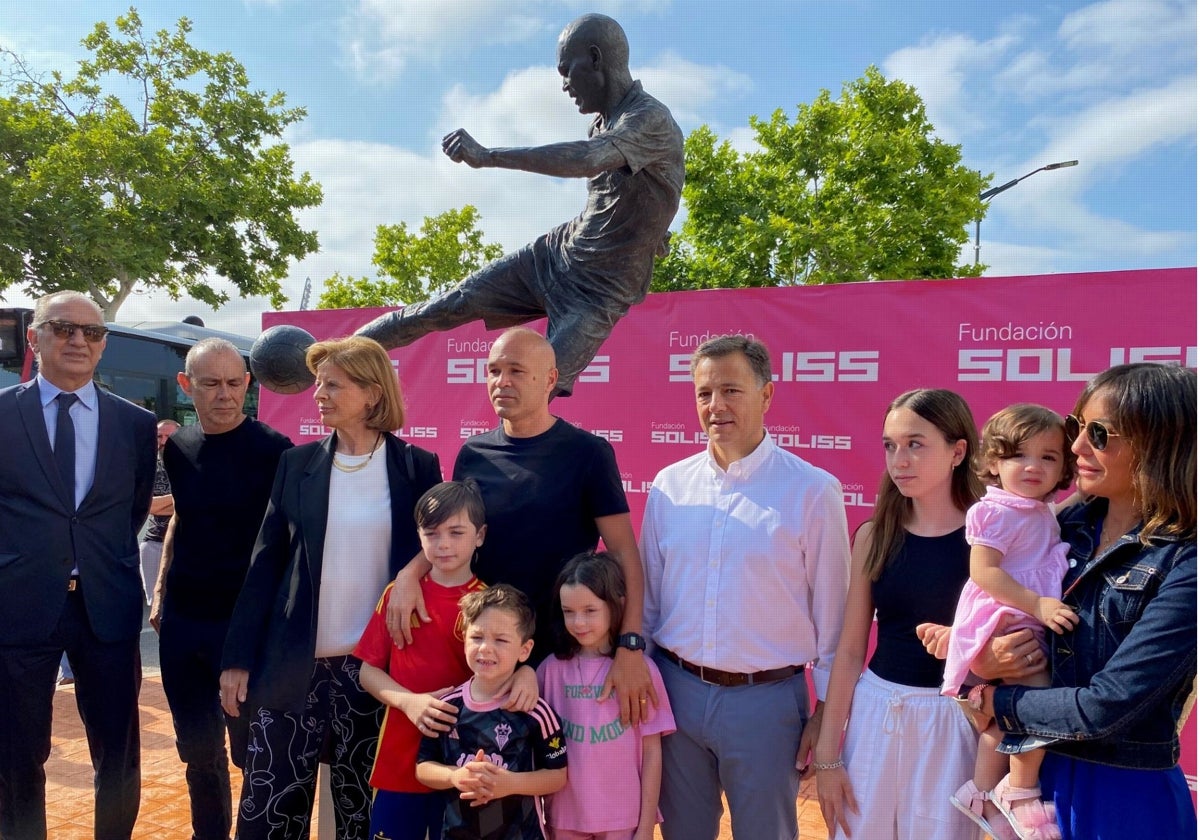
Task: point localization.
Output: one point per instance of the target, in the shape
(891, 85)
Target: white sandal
(1023, 808)
(969, 799)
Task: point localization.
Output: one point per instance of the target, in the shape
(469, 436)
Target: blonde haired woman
(337, 529)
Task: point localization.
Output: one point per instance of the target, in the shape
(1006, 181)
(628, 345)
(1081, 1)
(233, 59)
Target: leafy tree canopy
(98, 196)
(857, 188)
(415, 266)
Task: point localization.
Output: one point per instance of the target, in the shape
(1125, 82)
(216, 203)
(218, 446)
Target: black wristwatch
(631, 641)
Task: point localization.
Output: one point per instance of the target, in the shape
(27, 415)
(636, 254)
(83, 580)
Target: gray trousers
(742, 741)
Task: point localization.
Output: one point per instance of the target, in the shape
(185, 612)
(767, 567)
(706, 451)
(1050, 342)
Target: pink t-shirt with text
(603, 791)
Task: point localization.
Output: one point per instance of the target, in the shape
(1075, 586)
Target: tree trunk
(124, 288)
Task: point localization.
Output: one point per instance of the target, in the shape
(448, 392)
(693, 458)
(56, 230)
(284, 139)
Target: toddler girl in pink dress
(1017, 565)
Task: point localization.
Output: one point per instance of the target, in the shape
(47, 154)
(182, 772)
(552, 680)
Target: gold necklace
(353, 468)
(1107, 539)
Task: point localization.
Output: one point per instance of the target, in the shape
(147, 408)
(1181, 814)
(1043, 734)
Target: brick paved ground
(164, 811)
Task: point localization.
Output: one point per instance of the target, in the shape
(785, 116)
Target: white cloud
(527, 109)
(944, 70)
(687, 87)
(1116, 44)
(1131, 28)
(35, 53)
(1121, 128)
(380, 37)
(1106, 85)
(744, 140)
(1004, 259)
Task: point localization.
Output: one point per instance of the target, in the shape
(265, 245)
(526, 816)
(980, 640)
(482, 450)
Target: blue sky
(1017, 84)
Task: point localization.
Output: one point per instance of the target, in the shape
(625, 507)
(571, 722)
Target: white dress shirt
(747, 568)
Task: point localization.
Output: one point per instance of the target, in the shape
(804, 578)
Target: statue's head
(593, 59)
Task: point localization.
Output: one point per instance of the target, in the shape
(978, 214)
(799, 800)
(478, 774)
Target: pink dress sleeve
(989, 525)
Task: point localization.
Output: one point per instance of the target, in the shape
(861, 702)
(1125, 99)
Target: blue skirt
(1097, 802)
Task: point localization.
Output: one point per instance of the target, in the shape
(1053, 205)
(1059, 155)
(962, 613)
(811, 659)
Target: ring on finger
(1029, 658)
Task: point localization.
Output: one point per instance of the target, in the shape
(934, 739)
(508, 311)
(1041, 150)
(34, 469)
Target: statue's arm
(576, 159)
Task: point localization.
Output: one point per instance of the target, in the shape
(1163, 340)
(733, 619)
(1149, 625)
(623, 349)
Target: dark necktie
(64, 443)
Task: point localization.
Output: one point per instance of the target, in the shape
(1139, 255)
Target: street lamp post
(988, 195)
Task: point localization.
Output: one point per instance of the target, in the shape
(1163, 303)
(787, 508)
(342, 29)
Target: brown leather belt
(727, 679)
(73, 583)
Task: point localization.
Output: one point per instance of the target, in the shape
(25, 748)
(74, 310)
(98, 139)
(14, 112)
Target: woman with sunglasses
(1120, 680)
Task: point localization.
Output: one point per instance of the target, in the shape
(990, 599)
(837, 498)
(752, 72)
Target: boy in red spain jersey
(410, 681)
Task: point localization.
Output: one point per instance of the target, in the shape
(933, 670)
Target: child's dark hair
(441, 501)
(500, 597)
(1008, 428)
(600, 572)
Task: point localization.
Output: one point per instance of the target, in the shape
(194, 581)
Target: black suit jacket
(273, 631)
(42, 536)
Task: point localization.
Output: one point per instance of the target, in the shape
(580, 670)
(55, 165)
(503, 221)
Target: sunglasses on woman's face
(1097, 433)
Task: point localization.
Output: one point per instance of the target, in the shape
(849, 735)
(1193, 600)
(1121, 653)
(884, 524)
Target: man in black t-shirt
(221, 470)
(551, 491)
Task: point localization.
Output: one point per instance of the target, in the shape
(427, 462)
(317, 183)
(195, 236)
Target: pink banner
(840, 354)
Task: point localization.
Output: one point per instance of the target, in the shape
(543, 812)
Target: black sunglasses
(65, 329)
(1097, 433)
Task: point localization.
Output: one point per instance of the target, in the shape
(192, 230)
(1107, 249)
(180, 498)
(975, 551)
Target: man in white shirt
(747, 563)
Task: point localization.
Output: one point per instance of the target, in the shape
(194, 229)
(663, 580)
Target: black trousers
(340, 723)
(108, 677)
(189, 653)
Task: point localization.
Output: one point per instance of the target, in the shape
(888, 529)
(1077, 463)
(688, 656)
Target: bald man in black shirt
(221, 471)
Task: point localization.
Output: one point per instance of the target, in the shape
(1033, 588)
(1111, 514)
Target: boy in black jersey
(495, 764)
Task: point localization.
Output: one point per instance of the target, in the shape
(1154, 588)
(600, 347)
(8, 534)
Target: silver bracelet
(832, 765)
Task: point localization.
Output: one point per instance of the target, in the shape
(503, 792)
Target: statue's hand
(461, 147)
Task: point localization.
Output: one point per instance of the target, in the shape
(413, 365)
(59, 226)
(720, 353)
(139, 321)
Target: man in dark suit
(75, 485)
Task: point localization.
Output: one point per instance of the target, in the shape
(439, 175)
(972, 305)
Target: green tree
(97, 196)
(857, 188)
(414, 266)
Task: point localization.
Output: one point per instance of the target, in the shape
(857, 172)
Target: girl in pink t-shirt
(1017, 565)
(612, 785)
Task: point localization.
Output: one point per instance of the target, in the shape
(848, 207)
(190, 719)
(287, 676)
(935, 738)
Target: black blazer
(273, 631)
(42, 536)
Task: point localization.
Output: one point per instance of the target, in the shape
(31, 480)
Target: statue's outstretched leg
(495, 294)
(410, 322)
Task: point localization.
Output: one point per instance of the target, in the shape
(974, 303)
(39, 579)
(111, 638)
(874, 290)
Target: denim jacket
(1119, 679)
